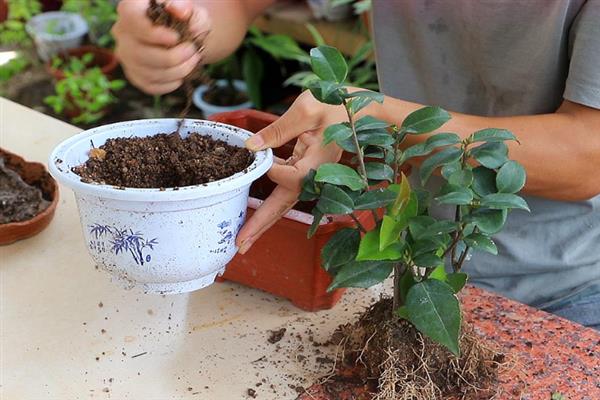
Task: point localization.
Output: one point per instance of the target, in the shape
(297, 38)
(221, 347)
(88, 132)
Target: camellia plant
(407, 240)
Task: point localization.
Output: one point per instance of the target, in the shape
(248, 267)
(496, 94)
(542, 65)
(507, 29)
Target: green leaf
(457, 280)
(369, 248)
(418, 225)
(392, 225)
(434, 310)
(338, 174)
(445, 156)
(491, 155)
(417, 150)
(341, 248)
(317, 217)
(511, 177)
(361, 274)
(439, 273)
(442, 139)
(336, 133)
(366, 94)
(500, 201)
(328, 64)
(334, 200)
(253, 72)
(375, 138)
(423, 199)
(379, 171)
(327, 92)
(425, 120)
(456, 195)
(462, 177)
(492, 135)
(488, 221)
(368, 123)
(422, 246)
(374, 199)
(428, 260)
(402, 312)
(309, 190)
(479, 241)
(484, 181)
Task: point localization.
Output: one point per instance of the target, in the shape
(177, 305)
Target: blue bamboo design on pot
(125, 240)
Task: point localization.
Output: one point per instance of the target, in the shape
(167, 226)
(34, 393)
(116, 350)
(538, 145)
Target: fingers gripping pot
(170, 240)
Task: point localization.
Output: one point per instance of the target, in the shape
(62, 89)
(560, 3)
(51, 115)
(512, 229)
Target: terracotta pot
(103, 58)
(35, 174)
(284, 262)
(3, 10)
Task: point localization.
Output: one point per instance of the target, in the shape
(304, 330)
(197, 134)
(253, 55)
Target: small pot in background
(323, 9)
(56, 32)
(209, 109)
(103, 58)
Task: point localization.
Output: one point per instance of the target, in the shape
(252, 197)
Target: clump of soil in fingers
(163, 161)
(399, 363)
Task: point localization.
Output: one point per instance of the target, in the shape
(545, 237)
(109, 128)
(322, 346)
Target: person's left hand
(306, 120)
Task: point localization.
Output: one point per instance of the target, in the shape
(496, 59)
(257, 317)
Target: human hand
(151, 56)
(306, 120)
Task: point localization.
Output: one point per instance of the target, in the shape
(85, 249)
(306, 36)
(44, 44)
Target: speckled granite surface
(550, 354)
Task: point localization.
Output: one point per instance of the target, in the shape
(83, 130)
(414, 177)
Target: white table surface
(56, 342)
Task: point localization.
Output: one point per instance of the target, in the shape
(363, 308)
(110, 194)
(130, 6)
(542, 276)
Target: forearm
(230, 20)
(560, 151)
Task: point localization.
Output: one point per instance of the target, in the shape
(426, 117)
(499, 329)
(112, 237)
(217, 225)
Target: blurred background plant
(100, 16)
(12, 31)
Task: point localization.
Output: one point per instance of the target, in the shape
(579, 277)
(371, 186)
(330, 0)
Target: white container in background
(164, 241)
(209, 109)
(56, 31)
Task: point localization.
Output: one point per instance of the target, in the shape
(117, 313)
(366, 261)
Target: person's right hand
(151, 56)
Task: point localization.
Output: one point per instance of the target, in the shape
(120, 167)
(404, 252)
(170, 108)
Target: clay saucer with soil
(28, 196)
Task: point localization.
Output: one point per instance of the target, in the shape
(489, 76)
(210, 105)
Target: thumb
(186, 10)
(289, 126)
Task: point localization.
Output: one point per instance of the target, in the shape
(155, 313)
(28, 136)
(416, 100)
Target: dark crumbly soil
(163, 161)
(224, 96)
(18, 200)
(401, 364)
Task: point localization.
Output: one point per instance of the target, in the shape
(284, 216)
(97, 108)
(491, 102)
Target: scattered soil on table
(398, 362)
(224, 96)
(19, 201)
(163, 161)
(276, 336)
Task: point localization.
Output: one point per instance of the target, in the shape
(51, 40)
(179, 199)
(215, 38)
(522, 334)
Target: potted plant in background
(84, 94)
(12, 30)
(225, 90)
(81, 58)
(56, 31)
(100, 16)
(407, 241)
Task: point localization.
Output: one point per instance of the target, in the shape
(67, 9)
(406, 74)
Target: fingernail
(245, 245)
(255, 143)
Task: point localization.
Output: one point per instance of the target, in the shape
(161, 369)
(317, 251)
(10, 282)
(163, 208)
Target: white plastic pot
(210, 109)
(164, 241)
(323, 9)
(44, 28)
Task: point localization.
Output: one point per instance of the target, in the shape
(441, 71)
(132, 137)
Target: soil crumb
(251, 393)
(398, 363)
(19, 201)
(276, 336)
(163, 161)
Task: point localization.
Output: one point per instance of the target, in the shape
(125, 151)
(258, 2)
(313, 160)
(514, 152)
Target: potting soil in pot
(19, 201)
(163, 161)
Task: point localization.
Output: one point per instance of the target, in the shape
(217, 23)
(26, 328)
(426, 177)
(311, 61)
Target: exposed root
(405, 365)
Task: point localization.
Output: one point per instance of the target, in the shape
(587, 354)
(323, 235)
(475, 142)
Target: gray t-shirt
(501, 58)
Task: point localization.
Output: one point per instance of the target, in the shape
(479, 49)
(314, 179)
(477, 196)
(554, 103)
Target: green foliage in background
(12, 31)
(100, 16)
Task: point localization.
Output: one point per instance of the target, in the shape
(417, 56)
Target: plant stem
(358, 224)
(462, 259)
(398, 271)
(361, 162)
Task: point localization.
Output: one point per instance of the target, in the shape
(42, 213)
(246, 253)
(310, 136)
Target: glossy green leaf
(379, 171)
(369, 248)
(492, 135)
(491, 155)
(422, 246)
(341, 248)
(317, 217)
(434, 310)
(362, 98)
(425, 120)
(253, 73)
(361, 274)
(449, 169)
(309, 189)
(369, 123)
(439, 273)
(511, 177)
(499, 201)
(418, 226)
(336, 132)
(374, 199)
(442, 139)
(417, 150)
(334, 200)
(375, 138)
(455, 195)
(327, 92)
(338, 174)
(393, 225)
(457, 280)
(423, 199)
(428, 260)
(462, 177)
(484, 181)
(445, 156)
(481, 242)
(488, 221)
(328, 64)
(403, 192)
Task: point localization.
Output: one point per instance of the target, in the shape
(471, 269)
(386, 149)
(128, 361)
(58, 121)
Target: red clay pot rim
(80, 51)
(39, 218)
